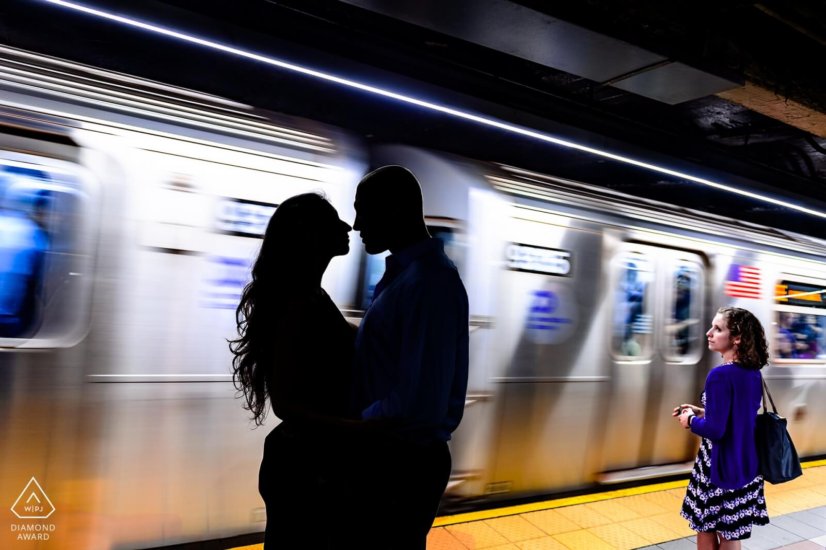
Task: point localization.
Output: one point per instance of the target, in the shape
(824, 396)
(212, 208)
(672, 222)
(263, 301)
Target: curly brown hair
(753, 350)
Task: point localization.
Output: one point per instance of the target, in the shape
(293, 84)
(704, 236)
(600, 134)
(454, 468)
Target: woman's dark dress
(730, 512)
(312, 362)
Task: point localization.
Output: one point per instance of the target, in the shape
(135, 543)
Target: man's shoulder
(436, 260)
(436, 268)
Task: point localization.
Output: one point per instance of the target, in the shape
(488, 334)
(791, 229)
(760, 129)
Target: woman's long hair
(279, 265)
(753, 350)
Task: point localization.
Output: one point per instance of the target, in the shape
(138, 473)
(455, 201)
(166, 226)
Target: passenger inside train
(799, 336)
(632, 300)
(24, 243)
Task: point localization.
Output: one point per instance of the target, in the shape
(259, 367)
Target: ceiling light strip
(486, 121)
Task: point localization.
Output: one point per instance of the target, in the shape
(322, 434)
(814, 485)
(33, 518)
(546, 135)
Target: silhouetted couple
(360, 458)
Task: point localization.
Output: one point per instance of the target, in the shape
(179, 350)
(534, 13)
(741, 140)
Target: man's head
(389, 210)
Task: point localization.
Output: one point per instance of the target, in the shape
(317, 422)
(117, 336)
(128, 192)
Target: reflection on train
(130, 213)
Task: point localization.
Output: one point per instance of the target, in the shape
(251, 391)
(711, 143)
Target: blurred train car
(130, 214)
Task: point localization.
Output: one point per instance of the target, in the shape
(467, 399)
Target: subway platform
(643, 517)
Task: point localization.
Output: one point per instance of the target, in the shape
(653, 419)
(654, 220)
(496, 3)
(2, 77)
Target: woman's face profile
(719, 337)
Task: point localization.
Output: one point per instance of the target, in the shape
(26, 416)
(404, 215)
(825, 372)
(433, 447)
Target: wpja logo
(33, 503)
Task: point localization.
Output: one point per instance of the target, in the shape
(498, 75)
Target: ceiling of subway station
(730, 91)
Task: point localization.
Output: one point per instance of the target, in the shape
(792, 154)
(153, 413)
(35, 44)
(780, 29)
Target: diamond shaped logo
(33, 502)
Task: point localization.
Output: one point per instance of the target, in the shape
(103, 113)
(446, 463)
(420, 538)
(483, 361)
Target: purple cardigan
(733, 395)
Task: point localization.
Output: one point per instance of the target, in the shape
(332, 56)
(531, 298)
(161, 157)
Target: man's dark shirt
(412, 345)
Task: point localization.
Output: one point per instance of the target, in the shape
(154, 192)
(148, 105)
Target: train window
(374, 265)
(44, 246)
(800, 320)
(800, 335)
(684, 329)
(632, 307)
(450, 238)
(373, 270)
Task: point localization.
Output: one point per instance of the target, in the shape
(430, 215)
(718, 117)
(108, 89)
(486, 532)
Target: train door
(547, 365)
(657, 327)
(680, 340)
(48, 234)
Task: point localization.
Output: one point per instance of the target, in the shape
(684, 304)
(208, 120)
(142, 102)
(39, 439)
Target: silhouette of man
(411, 360)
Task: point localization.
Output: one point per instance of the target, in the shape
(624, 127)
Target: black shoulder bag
(775, 450)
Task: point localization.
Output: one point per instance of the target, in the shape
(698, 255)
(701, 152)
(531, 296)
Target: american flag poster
(743, 281)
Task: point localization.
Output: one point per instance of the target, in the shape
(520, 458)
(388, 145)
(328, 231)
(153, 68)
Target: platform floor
(642, 517)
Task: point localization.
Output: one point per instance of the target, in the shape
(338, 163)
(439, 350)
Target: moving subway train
(130, 213)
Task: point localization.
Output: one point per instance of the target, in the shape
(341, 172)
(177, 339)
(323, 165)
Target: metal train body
(588, 308)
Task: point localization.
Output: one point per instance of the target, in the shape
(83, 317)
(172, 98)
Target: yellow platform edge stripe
(555, 503)
(570, 501)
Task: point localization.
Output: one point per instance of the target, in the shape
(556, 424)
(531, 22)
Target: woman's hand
(685, 417)
(685, 411)
(699, 411)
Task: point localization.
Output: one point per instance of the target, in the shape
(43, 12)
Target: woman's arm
(712, 425)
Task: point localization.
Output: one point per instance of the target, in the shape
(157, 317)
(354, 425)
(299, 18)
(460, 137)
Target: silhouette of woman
(295, 350)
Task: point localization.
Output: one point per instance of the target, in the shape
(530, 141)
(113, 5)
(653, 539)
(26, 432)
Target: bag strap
(765, 393)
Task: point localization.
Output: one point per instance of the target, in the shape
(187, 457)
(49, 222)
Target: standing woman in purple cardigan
(725, 496)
